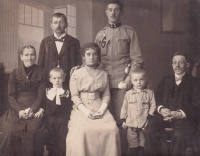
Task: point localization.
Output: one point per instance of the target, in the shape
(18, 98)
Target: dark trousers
(57, 126)
(183, 132)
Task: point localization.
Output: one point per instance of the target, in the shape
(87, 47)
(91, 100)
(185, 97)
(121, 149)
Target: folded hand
(23, 114)
(88, 113)
(176, 115)
(165, 112)
(39, 113)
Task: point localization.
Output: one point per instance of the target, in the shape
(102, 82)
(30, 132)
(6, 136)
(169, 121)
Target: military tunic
(119, 47)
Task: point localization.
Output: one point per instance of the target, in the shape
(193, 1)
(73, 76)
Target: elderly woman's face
(91, 57)
(28, 57)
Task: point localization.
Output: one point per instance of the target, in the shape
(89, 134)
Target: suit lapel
(171, 83)
(65, 46)
(53, 45)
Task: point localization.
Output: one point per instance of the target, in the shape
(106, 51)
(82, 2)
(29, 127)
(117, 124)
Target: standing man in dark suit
(59, 50)
(177, 96)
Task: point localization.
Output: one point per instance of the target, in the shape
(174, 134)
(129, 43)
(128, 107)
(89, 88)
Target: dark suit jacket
(69, 55)
(64, 109)
(188, 94)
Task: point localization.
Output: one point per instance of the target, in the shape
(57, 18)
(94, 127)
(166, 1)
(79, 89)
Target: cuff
(159, 108)
(80, 106)
(41, 109)
(104, 105)
(183, 114)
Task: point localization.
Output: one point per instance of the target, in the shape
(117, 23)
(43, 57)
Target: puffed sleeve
(12, 92)
(74, 90)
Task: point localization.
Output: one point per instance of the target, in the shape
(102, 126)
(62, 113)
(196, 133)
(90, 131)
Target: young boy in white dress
(138, 107)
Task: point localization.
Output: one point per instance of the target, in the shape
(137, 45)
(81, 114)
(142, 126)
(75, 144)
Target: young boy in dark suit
(57, 113)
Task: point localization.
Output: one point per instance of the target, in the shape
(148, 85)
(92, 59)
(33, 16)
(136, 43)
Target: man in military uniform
(119, 49)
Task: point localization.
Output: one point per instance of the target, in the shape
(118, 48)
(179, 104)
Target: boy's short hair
(116, 2)
(181, 54)
(58, 15)
(27, 47)
(58, 70)
(138, 71)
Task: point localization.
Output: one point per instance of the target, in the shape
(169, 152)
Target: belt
(90, 96)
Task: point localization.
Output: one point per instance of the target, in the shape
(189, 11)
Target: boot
(140, 151)
(134, 151)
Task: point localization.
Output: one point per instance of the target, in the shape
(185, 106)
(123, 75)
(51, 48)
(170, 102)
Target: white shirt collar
(180, 75)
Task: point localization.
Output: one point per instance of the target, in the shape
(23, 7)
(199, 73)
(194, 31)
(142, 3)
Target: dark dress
(20, 137)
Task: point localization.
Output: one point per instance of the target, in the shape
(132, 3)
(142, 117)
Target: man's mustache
(58, 28)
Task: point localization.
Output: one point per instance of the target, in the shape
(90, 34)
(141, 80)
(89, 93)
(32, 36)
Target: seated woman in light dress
(92, 128)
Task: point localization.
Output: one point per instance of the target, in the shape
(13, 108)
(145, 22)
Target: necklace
(29, 73)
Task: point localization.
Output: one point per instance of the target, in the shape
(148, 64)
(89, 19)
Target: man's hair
(91, 45)
(58, 70)
(181, 54)
(27, 47)
(138, 71)
(58, 15)
(116, 2)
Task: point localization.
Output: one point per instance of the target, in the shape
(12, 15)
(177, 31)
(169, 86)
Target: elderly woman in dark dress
(21, 126)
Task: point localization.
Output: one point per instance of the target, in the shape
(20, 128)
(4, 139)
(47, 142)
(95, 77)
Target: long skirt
(20, 137)
(87, 137)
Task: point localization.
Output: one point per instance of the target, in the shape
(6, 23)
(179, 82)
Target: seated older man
(177, 98)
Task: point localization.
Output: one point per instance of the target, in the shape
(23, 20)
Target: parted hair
(58, 15)
(116, 2)
(58, 70)
(91, 45)
(138, 71)
(27, 47)
(182, 54)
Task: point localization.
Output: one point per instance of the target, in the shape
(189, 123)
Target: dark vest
(173, 101)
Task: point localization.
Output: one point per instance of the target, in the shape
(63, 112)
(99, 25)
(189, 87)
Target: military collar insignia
(115, 25)
(134, 91)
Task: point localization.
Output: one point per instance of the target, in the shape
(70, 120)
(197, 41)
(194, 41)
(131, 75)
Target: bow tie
(59, 40)
(178, 78)
(55, 92)
(115, 25)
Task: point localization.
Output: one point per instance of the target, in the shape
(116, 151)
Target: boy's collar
(135, 91)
